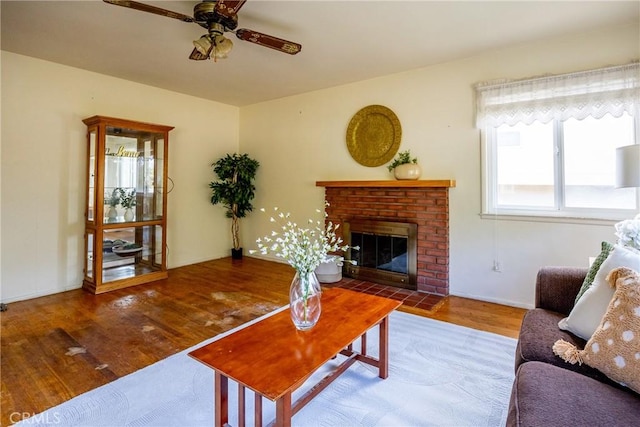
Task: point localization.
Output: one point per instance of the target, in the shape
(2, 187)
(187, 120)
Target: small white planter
(407, 171)
(330, 272)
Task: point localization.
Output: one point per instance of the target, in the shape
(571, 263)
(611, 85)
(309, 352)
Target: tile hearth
(409, 298)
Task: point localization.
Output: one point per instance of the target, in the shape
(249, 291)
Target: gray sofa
(550, 392)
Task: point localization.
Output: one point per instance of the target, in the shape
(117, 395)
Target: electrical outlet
(497, 267)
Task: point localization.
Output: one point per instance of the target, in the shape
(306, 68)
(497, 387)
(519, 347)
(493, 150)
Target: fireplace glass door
(387, 252)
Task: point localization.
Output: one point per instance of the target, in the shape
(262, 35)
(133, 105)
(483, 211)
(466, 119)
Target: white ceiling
(342, 41)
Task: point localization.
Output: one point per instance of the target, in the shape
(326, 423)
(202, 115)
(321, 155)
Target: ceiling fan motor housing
(205, 13)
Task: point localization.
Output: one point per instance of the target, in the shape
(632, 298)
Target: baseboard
(266, 258)
(500, 301)
(39, 294)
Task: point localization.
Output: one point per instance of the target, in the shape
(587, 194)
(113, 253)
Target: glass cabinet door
(89, 249)
(131, 251)
(133, 187)
(159, 178)
(91, 176)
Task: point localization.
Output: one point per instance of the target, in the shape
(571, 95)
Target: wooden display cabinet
(126, 167)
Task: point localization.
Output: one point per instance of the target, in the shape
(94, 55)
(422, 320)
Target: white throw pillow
(588, 311)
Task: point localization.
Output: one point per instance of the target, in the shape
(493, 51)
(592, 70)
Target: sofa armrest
(557, 287)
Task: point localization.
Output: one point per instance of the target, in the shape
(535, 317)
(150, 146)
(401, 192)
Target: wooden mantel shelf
(390, 183)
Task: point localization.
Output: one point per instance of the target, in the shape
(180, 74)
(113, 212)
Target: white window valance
(612, 90)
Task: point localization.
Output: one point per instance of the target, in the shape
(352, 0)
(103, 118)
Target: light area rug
(440, 374)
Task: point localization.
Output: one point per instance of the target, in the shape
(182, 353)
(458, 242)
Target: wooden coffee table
(272, 358)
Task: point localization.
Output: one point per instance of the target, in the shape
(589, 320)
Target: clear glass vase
(304, 299)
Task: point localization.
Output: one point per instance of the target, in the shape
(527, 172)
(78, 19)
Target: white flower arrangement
(304, 248)
(628, 232)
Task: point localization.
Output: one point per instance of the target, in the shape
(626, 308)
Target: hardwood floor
(56, 347)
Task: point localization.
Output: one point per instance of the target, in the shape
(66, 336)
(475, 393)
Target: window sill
(551, 219)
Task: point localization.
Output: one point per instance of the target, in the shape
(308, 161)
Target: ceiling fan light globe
(222, 47)
(203, 45)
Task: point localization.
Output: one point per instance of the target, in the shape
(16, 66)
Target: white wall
(298, 140)
(301, 139)
(43, 165)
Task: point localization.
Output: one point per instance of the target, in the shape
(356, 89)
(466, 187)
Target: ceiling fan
(218, 17)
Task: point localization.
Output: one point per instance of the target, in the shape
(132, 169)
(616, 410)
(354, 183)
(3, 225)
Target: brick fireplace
(424, 203)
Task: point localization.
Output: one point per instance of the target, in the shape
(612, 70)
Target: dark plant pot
(236, 253)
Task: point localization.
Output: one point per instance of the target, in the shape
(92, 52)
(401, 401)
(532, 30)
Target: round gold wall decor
(373, 135)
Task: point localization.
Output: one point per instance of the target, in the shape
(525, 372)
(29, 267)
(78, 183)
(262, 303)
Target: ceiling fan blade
(151, 9)
(197, 56)
(229, 8)
(269, 41)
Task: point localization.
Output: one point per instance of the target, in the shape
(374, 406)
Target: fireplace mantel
(440, 183)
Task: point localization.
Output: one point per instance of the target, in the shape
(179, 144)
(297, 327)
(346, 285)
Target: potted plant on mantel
(405, 167)
(235, 191)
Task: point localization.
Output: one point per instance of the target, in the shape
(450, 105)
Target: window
(550, 144)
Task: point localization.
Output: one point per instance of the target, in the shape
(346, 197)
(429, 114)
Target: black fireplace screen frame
(387, 265)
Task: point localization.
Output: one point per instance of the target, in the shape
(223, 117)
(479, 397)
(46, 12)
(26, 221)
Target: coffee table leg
(222, 400)
(258, 410)
(363, 344)
(384, 348)
(241, 406)
(283, 411)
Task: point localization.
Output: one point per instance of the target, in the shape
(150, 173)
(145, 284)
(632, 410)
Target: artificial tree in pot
(235, 191)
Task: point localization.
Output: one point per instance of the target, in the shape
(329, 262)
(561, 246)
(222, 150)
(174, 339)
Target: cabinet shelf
(123, 224)
(126, 166)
